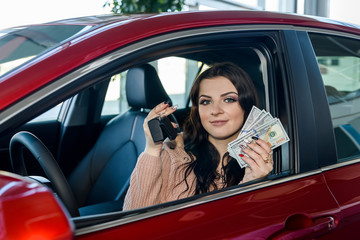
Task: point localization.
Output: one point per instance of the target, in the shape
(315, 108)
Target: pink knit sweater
(157, 180)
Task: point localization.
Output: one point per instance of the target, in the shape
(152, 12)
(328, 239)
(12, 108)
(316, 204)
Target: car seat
(104, 173)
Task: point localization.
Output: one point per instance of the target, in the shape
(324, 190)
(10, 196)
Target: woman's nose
(216, 109)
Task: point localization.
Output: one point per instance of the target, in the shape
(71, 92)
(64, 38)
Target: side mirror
(29, 210)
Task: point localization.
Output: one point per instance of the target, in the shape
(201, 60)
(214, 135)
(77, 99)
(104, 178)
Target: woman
(197, 161)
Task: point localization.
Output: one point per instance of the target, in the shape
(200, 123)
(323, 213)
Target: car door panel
(267, 212)
(344, 183)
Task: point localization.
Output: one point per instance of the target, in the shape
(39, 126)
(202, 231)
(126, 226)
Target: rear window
(339, 64)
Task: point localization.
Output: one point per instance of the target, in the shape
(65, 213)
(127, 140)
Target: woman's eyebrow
(222, 95)
(203, 95)
(227, 93)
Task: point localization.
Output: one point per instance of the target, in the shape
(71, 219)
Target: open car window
(178, 71)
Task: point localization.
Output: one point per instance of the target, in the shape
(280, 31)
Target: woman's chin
(223, 136)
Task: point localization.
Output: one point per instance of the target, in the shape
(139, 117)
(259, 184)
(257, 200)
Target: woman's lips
(218, 122)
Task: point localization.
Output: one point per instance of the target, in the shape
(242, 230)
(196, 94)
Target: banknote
(253, 116)
(262, 125)
(262, 119)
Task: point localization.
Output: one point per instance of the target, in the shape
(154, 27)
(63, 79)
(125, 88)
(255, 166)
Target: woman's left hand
(260, 160)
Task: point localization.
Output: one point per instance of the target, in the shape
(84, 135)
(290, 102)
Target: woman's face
(220, 112)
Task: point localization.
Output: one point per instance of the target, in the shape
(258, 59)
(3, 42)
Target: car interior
(97, 152)
(105, 165)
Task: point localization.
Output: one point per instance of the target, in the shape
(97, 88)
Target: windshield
(19, 45)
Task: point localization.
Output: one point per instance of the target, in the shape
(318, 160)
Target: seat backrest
(104, 173)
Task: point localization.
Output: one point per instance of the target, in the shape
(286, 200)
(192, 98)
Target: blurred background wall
(15, 13)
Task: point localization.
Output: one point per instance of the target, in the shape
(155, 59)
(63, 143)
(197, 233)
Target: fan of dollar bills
(262, 125)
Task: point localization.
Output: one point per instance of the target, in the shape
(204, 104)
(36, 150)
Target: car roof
(109, 32)
(216, 17)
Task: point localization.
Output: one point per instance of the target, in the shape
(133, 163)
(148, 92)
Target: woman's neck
(221, 145)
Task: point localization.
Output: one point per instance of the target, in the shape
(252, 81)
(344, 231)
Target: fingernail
(166, 102)
(174, 107)
(247, 141)
(241, 155)
(255, 138)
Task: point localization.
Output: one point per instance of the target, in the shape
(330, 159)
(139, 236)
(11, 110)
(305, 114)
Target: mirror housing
(29, 210)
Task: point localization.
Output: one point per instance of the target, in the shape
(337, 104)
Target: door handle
(302, 226)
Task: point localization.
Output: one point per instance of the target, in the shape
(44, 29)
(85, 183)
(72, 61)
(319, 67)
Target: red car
(74, 94)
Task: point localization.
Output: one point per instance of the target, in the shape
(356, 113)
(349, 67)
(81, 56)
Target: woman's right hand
(163, 109)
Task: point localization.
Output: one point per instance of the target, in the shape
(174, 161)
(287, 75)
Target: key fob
(161, 128)
(167, 128)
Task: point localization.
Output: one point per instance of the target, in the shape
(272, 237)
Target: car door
(292, 203)
(339, 60)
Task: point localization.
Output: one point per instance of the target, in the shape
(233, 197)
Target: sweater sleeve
(146, 183)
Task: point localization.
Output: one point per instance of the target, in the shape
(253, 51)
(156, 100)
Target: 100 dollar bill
(253, 115)
(272, 133)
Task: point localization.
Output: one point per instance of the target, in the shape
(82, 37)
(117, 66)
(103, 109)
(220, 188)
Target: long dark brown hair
(204, 156)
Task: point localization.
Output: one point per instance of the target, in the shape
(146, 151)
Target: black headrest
(144, 88)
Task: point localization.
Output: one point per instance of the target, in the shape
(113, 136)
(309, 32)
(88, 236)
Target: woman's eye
(204, 102)
(230, 100)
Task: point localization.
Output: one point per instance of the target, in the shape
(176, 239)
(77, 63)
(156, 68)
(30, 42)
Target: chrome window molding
(343, 163)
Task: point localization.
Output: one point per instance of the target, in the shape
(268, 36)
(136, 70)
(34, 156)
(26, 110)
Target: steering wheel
(46, 161)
